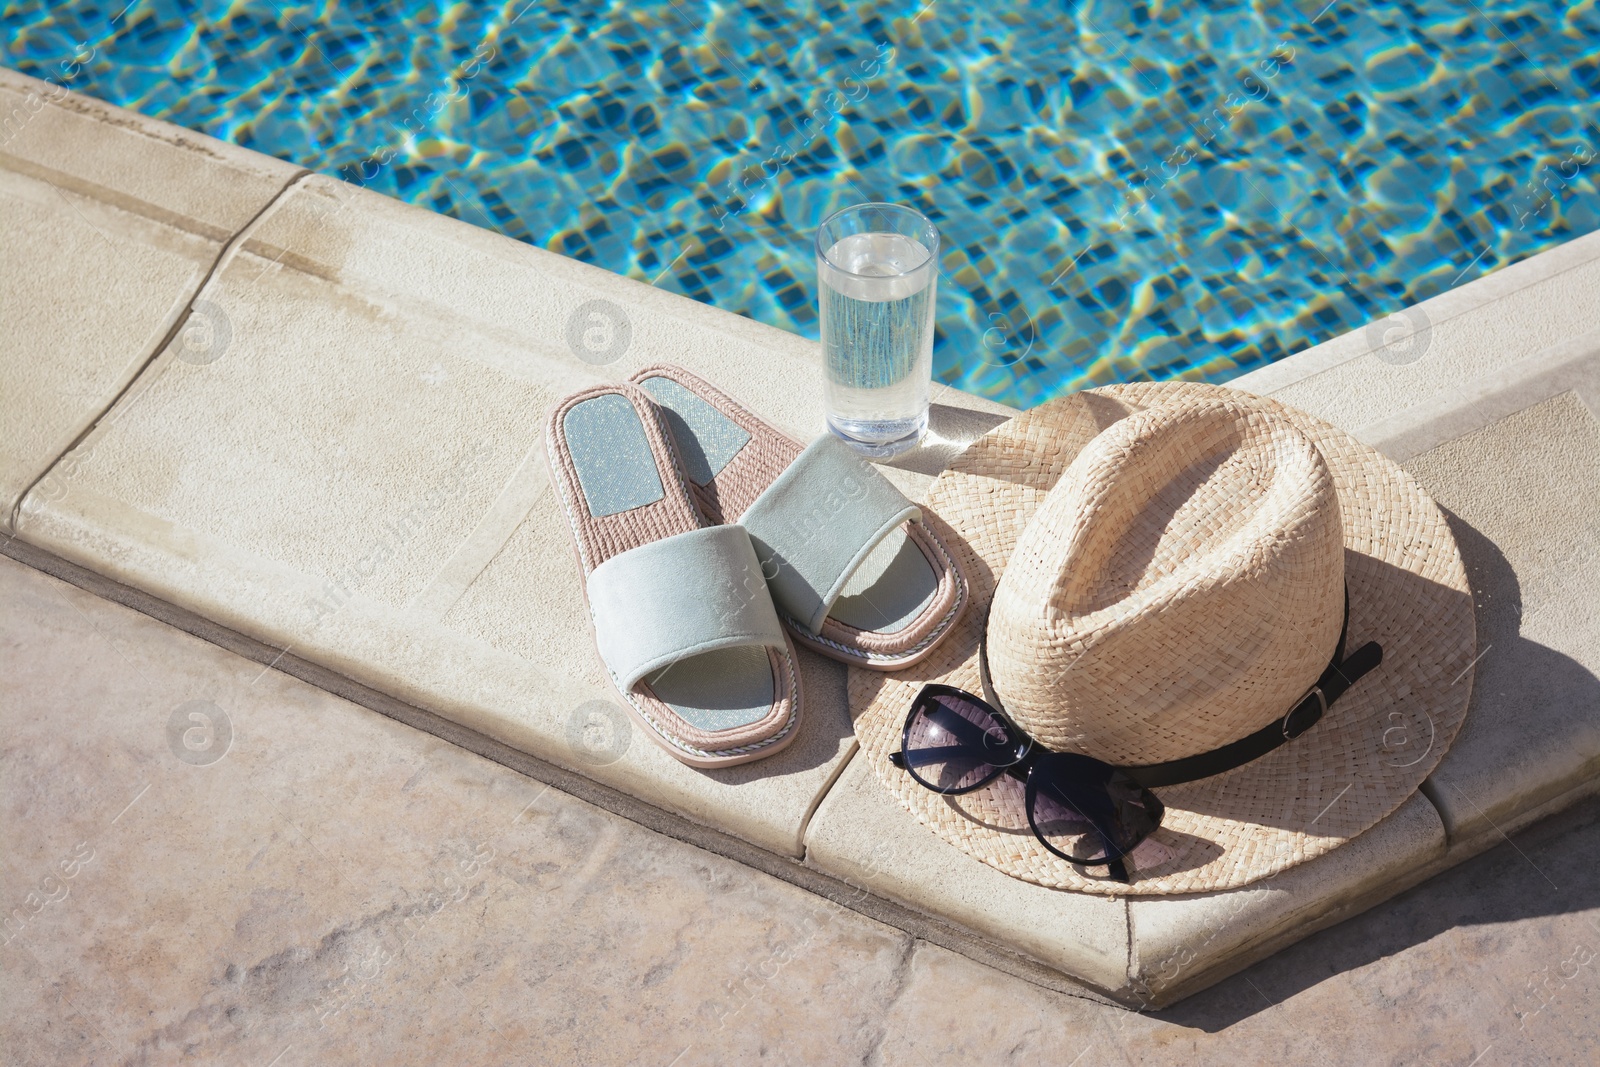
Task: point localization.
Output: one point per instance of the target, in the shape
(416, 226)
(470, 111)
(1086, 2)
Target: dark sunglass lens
(1088, 812)
(1066, 829)
(954, 744)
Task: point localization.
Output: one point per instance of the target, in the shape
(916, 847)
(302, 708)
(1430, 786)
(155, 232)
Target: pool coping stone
(141, 212)
(318, 260)
(355, 478)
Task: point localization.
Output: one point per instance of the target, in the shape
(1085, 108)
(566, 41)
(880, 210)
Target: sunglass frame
(1028, 757)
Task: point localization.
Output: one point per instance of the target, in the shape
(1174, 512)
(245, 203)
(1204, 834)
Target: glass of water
(877, 268)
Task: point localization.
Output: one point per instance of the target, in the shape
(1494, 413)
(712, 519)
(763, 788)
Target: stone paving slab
(109, 224)
(283, 877)
(861, 835)
(1145, 952)
(1524, 493)
(331, 887)
(1572, 366)
(1180, 944)
(358, 477)
(1514, 456)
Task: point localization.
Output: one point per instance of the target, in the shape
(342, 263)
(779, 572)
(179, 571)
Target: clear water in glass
(877, 291)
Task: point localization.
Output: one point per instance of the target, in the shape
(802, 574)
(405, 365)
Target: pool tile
(356, 476)
(1147, 192)
(109, 222)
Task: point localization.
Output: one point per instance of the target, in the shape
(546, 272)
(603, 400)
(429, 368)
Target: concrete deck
(314, 438)
(311, 883)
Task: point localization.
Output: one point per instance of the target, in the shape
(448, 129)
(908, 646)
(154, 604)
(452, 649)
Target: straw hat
(1165, 569)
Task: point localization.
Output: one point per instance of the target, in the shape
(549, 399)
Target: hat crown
(1180, 587)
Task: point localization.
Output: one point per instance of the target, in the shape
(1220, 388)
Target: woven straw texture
(1408, 591)
(1177, 591)
(596, 539)
(756, 466)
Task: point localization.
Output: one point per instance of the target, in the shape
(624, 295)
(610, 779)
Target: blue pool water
(1126, 190)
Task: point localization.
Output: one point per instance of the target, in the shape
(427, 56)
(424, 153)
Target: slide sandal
(682, 616)
(855, 573)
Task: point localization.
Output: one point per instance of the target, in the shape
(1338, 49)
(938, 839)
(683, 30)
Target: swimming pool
(1126, 191)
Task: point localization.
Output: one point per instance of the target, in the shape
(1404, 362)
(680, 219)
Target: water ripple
(1126, 191)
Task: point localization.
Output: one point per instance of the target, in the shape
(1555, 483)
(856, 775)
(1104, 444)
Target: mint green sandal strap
(678, 597)
(815, 523)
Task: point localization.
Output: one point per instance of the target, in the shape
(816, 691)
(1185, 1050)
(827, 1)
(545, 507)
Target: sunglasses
(1085, 811)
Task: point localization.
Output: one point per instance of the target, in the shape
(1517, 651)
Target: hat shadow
(1544, 870)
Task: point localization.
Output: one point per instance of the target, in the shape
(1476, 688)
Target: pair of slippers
(710, 543)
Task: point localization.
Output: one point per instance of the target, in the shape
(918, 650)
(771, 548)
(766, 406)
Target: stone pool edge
(669, 824)
(1316, 362)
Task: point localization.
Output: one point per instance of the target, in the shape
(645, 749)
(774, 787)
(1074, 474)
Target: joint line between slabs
(112, 410)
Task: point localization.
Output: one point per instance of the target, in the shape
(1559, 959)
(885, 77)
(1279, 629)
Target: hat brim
(1408, 591)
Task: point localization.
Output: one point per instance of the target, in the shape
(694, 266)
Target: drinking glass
(877, 269)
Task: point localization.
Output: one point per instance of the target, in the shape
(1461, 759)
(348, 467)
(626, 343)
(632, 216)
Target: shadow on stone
(824, 726)
(1547, 869)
